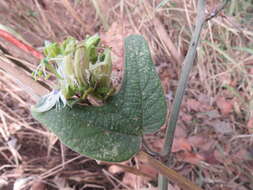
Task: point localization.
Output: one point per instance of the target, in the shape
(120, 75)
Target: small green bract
(82, 68)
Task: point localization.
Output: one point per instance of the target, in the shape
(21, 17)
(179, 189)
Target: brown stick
(34, 89)
(168, 172)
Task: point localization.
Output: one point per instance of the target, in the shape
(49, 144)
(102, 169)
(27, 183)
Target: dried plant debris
(214, 142)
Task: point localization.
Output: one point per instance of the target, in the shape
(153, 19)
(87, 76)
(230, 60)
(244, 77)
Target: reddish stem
(29, 49)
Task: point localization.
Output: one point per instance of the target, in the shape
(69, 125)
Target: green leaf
(113, 132)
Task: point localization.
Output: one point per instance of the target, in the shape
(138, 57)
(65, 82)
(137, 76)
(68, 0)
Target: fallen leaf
(208, 145)
(20, 183)
(115, 169)
(251, 71)
(232, 185)
(134, 181)
(219, 156)
(209, 156)
(157, 145)
(212, 114)
(250, 125)
(173, 187)
(61, 183)
(190, 157)
(226, 79)
(222, 127)
(180, 144)
(200, 105)
(180, 131)
(38, 185)
(193, 104)
(186, 117)
(225, 106)
(242, 155)
(3, 182)
(197, 141)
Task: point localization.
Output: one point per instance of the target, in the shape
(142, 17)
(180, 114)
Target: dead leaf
(209, 156)
(200, 105)
(173, 187)
(242, 155)
(197, 141)
(20, 183)
(250, 125)
(3, 182)
(193, 104)
(134, 181)
(157, 145)
(61, 183)
(180, 144)
(38, 185)
(115, 169)
(180, 131)
(225, 106)
(212, 114)
(219, 156)
(186, 117)
(208, 145)
(129, 179)
(226, 79)
(222, 127)
(251, 71)
(190, 157)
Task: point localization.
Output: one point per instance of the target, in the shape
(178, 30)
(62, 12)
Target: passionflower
(82, 69)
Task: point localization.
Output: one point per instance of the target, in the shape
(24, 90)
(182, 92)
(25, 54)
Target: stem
(187, 66)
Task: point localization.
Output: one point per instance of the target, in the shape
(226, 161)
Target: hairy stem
(187, 66)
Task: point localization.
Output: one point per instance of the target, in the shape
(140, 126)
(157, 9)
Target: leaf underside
(113, 131)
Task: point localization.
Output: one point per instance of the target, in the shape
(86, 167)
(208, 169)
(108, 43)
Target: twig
(20, 66)
(216, 11)
(17, 69)
(29, 49)
(168, 172)
(34, 89)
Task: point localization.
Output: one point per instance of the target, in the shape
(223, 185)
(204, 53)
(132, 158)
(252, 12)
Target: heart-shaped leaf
(113, 132)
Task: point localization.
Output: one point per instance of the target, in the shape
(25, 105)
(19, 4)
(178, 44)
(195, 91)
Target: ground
(213, 140)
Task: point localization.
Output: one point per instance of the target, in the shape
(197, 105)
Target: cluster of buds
(82, 68)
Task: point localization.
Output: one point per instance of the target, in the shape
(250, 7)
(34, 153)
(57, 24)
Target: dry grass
(33, 157)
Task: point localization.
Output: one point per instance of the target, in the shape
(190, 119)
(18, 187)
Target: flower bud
(102, 70)
(81, 65)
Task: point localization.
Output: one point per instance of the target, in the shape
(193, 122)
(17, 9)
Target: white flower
(47, 102)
